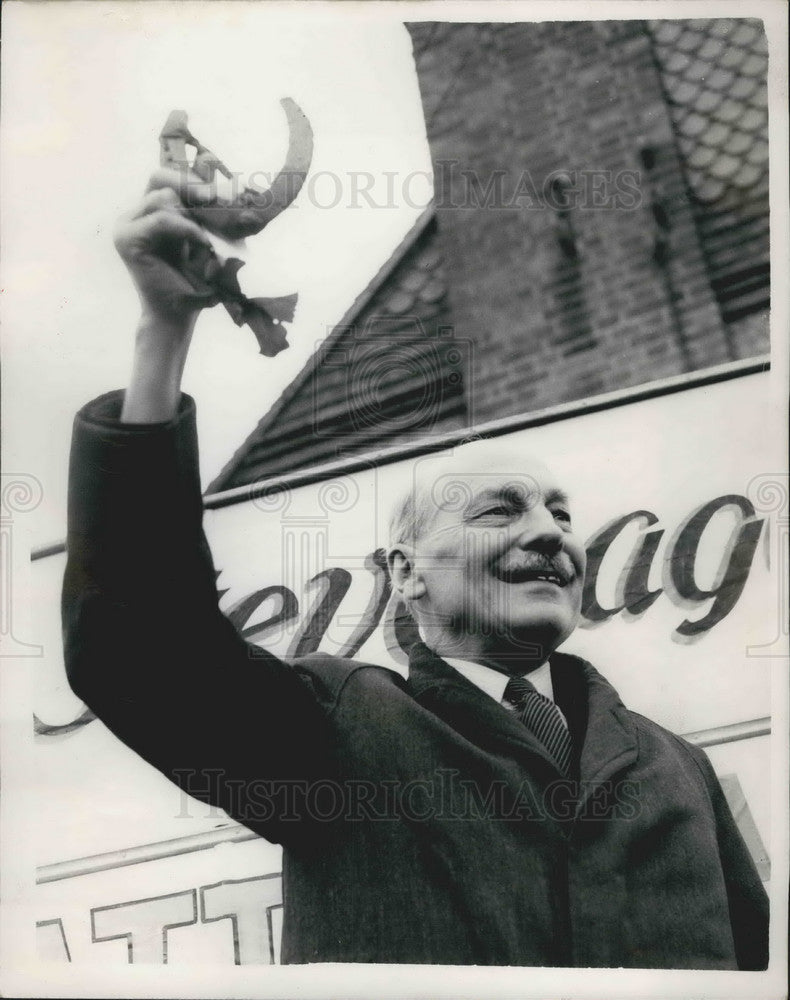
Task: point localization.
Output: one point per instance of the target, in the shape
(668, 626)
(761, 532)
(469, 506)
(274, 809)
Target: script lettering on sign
(627, 549)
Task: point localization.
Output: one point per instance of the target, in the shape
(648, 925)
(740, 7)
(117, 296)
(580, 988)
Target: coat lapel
(469, 711)
(607, 735)
(596, 715)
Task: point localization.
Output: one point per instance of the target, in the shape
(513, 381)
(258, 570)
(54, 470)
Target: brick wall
(589, 234)
(565, 291)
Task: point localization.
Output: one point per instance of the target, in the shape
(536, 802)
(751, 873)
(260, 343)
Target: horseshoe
(246, 215)
(251, 210)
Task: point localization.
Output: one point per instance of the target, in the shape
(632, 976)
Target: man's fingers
(190, 188)
(146, 231)
(157, 199)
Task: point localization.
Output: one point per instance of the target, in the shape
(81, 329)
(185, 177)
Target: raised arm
(146, 646)
(153, 240)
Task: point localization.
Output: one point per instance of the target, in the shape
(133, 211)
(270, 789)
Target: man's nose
(539, 530)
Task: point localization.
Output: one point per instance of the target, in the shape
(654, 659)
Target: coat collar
(608, 739)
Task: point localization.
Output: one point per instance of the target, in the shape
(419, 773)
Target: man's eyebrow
(556, 495)
(509, 491)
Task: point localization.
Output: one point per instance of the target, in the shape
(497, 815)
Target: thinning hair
(414, 511)
(410, 515)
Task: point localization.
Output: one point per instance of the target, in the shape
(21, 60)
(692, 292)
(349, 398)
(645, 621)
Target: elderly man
(500, 806)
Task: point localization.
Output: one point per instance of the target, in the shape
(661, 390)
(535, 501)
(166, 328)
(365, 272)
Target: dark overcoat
(421, 822)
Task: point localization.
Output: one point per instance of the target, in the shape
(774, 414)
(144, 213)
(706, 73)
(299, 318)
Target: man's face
(501, 566)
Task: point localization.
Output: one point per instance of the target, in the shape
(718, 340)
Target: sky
(86, 89)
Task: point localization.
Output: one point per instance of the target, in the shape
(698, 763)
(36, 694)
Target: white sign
(682, 613)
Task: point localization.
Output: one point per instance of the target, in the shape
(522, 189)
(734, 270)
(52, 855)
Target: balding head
(445, 483)
(483, 552)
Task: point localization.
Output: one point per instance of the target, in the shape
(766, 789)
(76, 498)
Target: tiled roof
(389, 369)
(714, 75)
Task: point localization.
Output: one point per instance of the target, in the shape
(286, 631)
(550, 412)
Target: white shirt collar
(493, 682)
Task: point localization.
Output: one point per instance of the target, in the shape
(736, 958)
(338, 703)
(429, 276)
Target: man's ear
(405, 577)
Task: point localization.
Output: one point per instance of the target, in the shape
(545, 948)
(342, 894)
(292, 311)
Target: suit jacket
(421, 821)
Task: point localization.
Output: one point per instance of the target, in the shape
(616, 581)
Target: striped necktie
(542, 717)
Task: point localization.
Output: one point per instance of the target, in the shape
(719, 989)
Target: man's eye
(562, 515)
(498, 511)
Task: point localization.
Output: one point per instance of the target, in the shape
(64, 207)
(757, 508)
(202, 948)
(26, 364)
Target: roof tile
(414, 280)
(744, 87)
(694, 124)
(681, 91)
(399, 303)
(758, 154)
(697, 71)
(689, 41)
(433, 291)
(729, 110)
(711, 49)
(724, 166)
(720, 118)
(429, 259)
(744, 34)
(738, 142)
(754, 120)
(747, 176)
(708, 100)
(722, 86)
(719, 78)
(667, 32)
(721, 28)
(732, 58)
(715, 135)
(755, 65)
(676, 62)
(706, 187)
(701, 157)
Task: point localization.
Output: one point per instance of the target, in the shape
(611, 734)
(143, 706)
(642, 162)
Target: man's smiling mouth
(558, 578)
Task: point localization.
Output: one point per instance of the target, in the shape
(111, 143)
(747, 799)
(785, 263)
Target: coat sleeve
(746, 895)
(146, 646)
